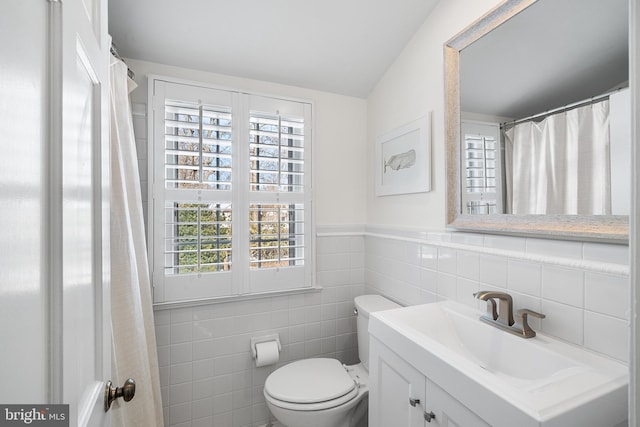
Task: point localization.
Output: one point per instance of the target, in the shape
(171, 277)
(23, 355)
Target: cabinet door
(448, 411)
(393, 383)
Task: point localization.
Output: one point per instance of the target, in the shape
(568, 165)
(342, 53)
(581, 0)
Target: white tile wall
(563, 285)
(582, 288)
(524, 277)
(207, 374)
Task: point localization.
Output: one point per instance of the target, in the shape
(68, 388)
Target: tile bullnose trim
(593, 266)
(444, 239)
(338, 230)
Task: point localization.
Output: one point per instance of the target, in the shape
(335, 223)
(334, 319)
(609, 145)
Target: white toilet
(323, 392)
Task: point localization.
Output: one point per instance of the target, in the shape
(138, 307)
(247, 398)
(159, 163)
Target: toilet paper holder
(266, 338)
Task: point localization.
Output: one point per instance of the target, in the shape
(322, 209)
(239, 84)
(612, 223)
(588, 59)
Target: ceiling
(339, 46)
(554, 53)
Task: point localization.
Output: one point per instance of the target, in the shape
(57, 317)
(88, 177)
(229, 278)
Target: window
(482, 193)
(231, 192)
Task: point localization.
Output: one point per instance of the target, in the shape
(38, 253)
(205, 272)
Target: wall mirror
(538, 121)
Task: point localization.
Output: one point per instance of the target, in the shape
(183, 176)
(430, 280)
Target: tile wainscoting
(582, 288)
(207, 374)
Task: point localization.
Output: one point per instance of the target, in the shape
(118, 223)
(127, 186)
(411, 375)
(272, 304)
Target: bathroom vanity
(438, 364)
(400, 397)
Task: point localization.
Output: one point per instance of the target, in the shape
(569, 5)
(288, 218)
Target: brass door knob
(111, 393)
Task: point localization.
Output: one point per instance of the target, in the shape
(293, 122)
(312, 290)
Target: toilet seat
(310, 385)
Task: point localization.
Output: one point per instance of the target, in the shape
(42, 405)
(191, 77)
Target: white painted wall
(413, 86)
(338, 140)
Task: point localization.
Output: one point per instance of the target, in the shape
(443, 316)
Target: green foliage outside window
(212, 250)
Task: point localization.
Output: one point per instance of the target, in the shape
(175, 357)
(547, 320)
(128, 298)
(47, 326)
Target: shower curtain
(560, 165)
(133, 336)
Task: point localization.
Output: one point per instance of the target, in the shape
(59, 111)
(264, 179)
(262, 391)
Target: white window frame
(241, 281)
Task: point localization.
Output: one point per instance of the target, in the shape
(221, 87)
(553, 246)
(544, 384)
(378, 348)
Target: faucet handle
(523, 324)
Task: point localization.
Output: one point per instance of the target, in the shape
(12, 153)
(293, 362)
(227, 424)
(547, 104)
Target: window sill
(221, 300)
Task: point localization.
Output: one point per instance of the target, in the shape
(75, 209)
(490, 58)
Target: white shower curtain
(134, 342)
(560, 165)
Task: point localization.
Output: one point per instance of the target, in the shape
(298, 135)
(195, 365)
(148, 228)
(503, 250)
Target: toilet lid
(309, 381)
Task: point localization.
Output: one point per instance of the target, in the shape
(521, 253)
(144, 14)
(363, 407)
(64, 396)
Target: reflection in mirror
(538, 120)
(549, 91)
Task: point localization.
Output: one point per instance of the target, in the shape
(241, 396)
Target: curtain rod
(562, 109)
(114, 52)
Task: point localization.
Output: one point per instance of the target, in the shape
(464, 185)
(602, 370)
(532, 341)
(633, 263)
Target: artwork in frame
(403, 159)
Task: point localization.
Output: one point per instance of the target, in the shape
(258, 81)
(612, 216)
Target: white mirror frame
(613, 229)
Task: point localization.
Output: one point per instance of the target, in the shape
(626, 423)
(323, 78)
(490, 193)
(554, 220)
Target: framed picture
(403, 159)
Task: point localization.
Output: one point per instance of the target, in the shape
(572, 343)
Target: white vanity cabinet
(400, 395)
(470, 374)
(392, 383)
(448, 411)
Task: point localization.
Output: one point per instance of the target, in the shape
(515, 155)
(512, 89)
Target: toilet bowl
(323, 392)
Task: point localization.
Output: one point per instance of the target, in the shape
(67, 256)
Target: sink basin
(521, 361)
(541, 377)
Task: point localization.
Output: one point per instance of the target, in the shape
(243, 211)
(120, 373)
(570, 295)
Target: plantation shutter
(480, 158)
(279, 183)
(231, 193)
(193, 200)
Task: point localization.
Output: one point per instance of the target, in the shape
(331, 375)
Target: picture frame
(403, 159)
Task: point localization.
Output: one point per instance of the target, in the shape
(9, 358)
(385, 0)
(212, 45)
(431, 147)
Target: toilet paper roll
(267, 353)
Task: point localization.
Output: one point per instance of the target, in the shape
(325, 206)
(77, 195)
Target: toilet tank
(366, 304)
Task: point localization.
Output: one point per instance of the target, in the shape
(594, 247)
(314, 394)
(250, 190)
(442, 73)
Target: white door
(23, 259)
(54, 221)
(82, 304)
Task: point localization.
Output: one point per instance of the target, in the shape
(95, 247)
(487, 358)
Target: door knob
(413, 402)
(111, 393)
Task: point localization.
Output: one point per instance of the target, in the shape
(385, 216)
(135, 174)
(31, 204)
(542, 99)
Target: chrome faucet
(502, 316)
